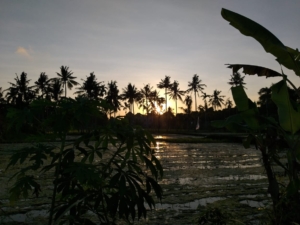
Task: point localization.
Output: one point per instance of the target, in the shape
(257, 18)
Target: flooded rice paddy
(195, 176)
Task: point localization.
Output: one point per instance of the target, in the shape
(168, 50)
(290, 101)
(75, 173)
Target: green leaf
(254, 70)
(66, 208)
(246, 107)
(232, 123)
(157, 188)
(240, 98)
(21, 187)
(150, 165)
(250, 116)
(270, 42)
(91, 157)
(289, 118)
(158, 166)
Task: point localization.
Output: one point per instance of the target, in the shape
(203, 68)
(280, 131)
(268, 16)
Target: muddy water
(195, 175)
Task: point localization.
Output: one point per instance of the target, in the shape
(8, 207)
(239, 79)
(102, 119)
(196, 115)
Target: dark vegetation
(125, 176)
(275, 129)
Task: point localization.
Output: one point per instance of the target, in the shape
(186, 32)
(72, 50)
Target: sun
(159, 110)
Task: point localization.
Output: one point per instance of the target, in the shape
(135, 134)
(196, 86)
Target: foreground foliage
(100, 174)
(276, 137)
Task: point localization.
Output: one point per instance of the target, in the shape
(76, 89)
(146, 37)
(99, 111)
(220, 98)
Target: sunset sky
(141, 41)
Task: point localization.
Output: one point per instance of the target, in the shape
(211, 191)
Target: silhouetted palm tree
(113, 98)
(20, 92)
(55, 89)
(228, 103)
(156, 101)
(201, 108)
(196, 87)
(66, 78)
(264, 99)
(159, 102)
(2, 100)
(131, 94)
(145, 95)
(126, 106)
(165, 84)
(42, 84)
(91, 88)
(188, 102)
(264, 96)
(204, 96)
(175, 93)
(237, 80)
(216, 100)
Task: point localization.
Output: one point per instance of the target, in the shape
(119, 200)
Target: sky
(141, 41)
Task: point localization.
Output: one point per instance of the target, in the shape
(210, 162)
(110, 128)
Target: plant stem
(63, 140)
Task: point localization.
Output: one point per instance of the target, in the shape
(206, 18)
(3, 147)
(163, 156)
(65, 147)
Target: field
(222, 175)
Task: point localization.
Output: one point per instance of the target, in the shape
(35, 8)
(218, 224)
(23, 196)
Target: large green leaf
(250, 117)
(254, 70)
(240, 98)
(285, 55)
(232, 123)
(289, 118)
(246, 107)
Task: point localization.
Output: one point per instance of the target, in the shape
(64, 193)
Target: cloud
(24, 52)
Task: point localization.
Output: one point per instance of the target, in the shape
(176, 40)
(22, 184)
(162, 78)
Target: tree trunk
(65, 90)
(195, 103)
(166, 99)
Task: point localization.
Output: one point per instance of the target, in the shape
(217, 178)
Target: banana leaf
(286, 56)
(254, 70)
(240, 98)
(289, 118)
(247, 108)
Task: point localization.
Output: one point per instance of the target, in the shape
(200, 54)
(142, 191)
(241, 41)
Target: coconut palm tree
(159, 102)
(42, 84)
(264, 99)
(201, 108)
(55, 89)
(2, 100)
(264, 96)
(126, 106)
(165, 84)
(156, 101)
(145, 95)
(91, 88)
(131, 94)
(228, 103)
(175, 93)
(204, 96)
(237, 80)
(20, 92)
(188, 102)
(196, 87)
(113, 98)
(66, 78)
(216, 100)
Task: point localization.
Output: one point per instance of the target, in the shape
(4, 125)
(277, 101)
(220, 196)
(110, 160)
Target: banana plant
(271, 135)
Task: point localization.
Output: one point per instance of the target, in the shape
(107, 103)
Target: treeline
(147, 98)
(157, 115)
